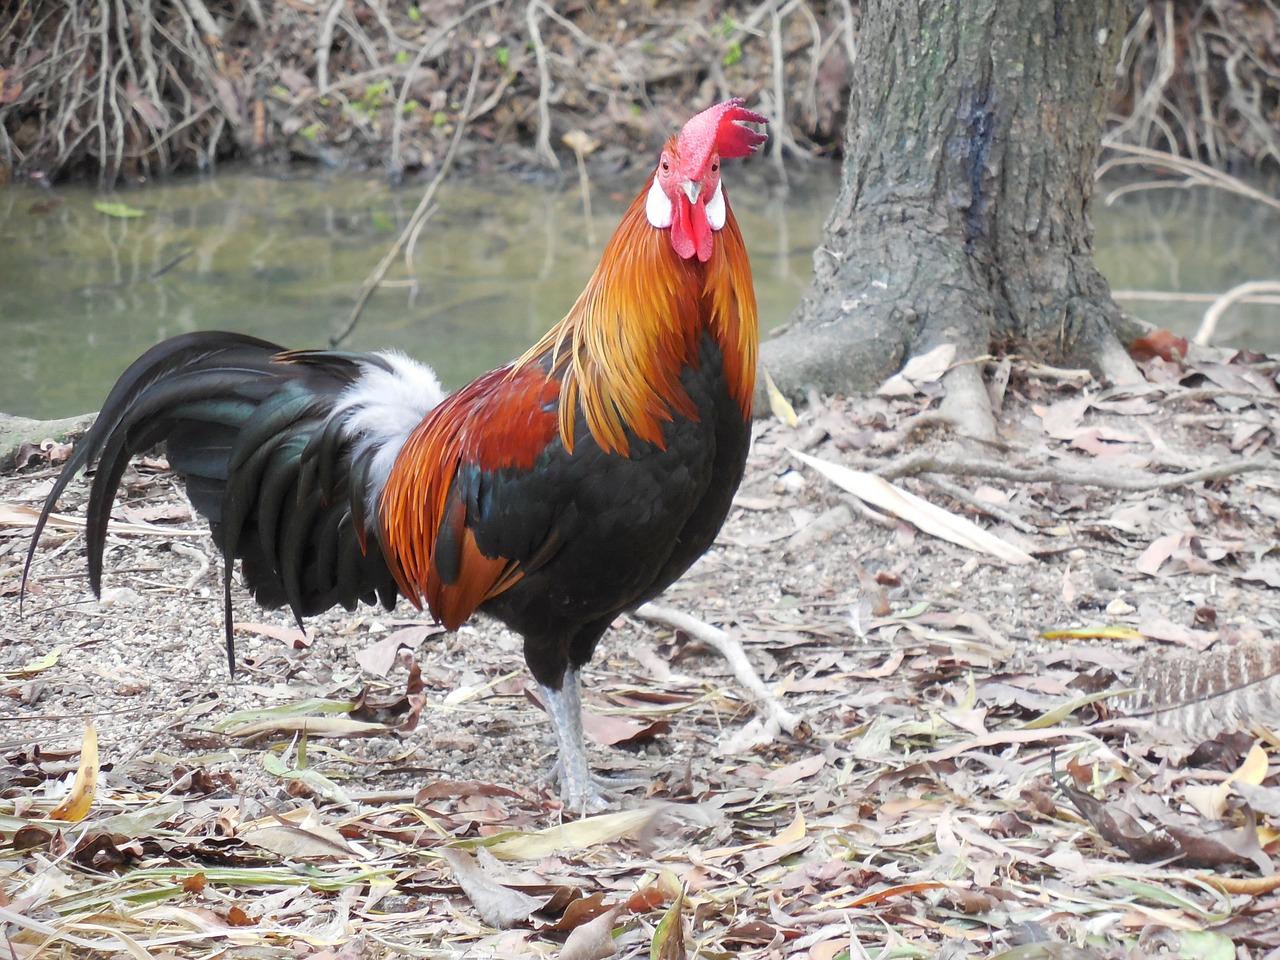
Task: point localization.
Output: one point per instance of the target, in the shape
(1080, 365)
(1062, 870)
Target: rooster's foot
(581, 791)
(598, 793)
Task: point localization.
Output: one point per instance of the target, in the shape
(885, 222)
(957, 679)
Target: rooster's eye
(715, 167)
(665, 166)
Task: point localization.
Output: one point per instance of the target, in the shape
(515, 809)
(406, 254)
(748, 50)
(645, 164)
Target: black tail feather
(249, 428)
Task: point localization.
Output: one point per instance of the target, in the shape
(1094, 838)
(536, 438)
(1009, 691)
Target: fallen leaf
(1161, 343)
(76, 806)
(1155, 626)
(916, 510)
(498, 905)
(17, 515)
(378, 658)
(1062, 420)
(614, 730)
(778, 404)
(668, 938)
(793, 772)
(290, 635)
(920, 370)
(1160, 550)
(312, 726)
(314, 841)
(592, 940)
(577, 834)
(118, 209)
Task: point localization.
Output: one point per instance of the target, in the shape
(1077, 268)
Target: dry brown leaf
(498, 905)
(592, 940)
(379, 657)
(919, 371)
(799, 770)
(309, 841)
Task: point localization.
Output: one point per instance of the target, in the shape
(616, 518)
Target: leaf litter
(946, 754)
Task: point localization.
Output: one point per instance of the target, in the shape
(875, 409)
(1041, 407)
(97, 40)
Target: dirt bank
(132, 89)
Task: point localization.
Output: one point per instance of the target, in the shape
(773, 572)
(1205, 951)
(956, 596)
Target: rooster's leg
(578, 789)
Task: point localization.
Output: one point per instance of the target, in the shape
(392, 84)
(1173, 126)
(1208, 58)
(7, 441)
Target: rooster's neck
(620, 351)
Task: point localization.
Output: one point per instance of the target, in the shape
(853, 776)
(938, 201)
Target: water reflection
(82, 294)
(1192, 241)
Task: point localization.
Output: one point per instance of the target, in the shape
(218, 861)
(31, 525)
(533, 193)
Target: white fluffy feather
(381, 409)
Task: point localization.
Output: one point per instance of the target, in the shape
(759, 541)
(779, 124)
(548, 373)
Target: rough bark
(972, 137)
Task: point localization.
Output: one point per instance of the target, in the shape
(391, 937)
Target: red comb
(716, 128)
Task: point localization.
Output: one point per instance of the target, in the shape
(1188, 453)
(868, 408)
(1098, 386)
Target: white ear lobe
(716, 208)
(657, 207)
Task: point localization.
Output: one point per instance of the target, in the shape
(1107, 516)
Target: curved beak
(691, 189)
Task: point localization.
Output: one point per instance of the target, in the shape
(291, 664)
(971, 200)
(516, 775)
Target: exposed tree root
(138, 88)
(924, 463)
(776, 717)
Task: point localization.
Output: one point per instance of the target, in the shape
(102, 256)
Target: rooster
(553, 493)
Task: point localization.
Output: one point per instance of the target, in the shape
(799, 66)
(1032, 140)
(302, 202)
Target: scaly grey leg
(581, 790)
(578, 790)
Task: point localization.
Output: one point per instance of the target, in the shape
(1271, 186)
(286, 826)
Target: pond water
(82, 293)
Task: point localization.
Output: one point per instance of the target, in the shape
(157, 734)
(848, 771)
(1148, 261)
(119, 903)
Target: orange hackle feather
(616, 358)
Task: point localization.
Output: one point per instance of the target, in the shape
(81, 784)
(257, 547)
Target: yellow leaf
(1093, 633)
(779, 404)
(1211, 800)
(118, 208)
(1254, 768)
(793, 833)
(34, 666)
(80, 799)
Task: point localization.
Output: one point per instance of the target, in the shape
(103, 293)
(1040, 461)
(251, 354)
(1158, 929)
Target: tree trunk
(972, 138)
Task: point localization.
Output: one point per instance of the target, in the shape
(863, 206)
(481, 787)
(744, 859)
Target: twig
(201, 15)
(1195, 173)
(918, 463)
(199, 556)
(1179, 296)
(420, 214)
(322, 45)
(1209, 325)
(1193, 394)
(544, 86)
(397, 120)
(777, 717)
(779, 95)
(992, 510)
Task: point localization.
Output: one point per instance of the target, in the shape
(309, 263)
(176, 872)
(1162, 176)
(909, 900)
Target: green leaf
(1205, 944)
(668, 936)
(118, 208)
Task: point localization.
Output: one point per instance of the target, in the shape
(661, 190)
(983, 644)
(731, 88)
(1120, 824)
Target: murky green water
(500, 262)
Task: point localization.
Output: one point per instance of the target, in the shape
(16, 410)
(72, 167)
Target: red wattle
(690, 230)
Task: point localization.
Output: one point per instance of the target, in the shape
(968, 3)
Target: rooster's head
(686, 194)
